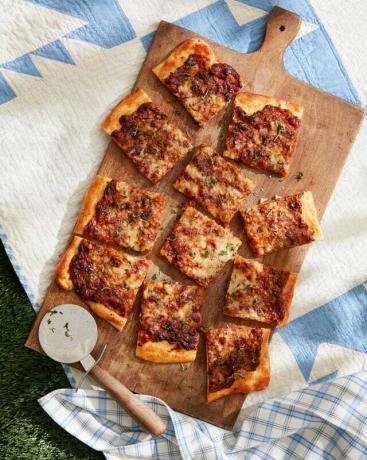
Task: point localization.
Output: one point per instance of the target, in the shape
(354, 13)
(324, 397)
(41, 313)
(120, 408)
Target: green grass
(26, 432)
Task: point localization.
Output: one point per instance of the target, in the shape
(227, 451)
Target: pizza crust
(127, 106)
(178, 57)
(252, 381)
(107, 314)
(251, 103)
(164, 352)
(62, 272)
(309, 215)
(93, 195)
(287, 297)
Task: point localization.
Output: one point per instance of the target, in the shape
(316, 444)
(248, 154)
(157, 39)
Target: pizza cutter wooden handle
(137, 409)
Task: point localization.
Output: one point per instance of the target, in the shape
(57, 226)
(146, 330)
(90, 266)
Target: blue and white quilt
(65, 63)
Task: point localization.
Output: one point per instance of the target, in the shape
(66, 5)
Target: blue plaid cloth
(325, 420)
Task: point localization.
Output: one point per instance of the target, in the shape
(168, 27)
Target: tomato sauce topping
(265, 139)
(95, 276)
(195, 79)
(229, 353)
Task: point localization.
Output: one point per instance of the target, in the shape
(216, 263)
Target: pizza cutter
(67, 334)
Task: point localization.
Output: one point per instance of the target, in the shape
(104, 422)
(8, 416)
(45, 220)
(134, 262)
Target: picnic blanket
(64, 64)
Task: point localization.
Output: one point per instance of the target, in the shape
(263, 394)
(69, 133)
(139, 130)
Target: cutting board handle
(282, 28)
(137, 409)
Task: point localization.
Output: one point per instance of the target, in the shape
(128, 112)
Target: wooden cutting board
(329, 127)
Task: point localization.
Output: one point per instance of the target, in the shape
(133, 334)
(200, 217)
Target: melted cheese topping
(218, 186)
(259, 292)
(127, 216)
(199, 247)
(281, 223)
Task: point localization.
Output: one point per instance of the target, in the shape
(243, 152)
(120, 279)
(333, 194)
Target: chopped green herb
(242, 347)
(183, 367)
(66, 325)
(135, 132)
(154, 149)
(237, 376)
(117, 232)
(223, 252)
(155, 276)
(117, 204)
(168, 327)
(48, 321)
(300, 175)
(53, 312)
(210, 181)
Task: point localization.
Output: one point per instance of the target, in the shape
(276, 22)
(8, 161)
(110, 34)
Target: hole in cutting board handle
(282, 28)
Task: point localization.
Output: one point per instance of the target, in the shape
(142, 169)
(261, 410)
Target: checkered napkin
(325, 420)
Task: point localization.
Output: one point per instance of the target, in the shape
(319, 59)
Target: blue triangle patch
(55, 51)
(22, 64)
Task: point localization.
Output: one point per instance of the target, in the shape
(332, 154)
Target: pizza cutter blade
(67, 334)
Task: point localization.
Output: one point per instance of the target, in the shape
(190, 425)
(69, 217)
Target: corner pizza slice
(199, 247)
(281, 223)
(145, 134)
(117, 213)
(202, 84)
(263, 132)
(237, 360)
(259, 292)
(216, 184)
(105, 279)
(170, 321)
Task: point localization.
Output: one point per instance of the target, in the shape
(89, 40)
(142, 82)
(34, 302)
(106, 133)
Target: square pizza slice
(117, 213)
(259, 292)
(195, 77)
(282, 223)
(237, 360)
(216, 184)
(263, 132)
(105, 279)
(170, 321)
(146, 135)
(199, 247)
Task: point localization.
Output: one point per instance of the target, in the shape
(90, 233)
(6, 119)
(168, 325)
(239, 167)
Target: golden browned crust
(62, 271)
(309, 215)
(287, 297)
(107, 314)
(126, 106)
(90, 200)
(164, 352)
(178, 57)
(251, 381)
(251, 103)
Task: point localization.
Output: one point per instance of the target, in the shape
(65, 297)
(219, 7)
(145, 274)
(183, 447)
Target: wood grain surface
(329, 127)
